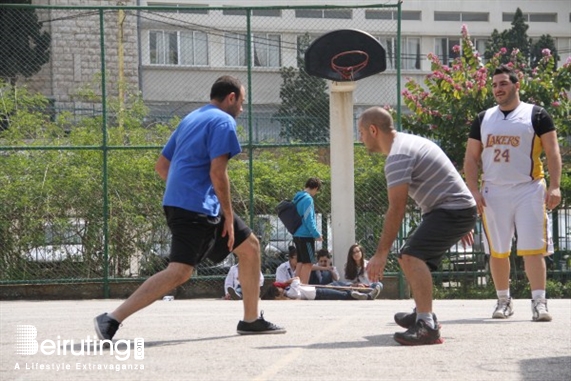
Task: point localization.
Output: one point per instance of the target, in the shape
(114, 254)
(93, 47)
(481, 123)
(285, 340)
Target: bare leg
(249, 274)
(153, 288)
(500, 269)
(305, 272)
(419, 278)
(536, 271)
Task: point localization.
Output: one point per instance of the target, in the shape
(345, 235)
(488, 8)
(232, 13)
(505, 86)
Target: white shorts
(518, 209)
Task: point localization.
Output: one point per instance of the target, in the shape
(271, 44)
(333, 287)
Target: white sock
(427, 317)
(538, 294)
(503, 294)
(113, 317)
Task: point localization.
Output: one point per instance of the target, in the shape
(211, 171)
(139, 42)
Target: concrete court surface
(326, 340)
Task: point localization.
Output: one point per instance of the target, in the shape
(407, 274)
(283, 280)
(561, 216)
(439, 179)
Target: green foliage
(24, 48)
(44, 185)
(304, 111)
(536, 51)
(452, 96)
(511, 39)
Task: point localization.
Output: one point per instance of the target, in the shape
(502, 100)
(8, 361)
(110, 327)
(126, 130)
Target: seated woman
(293, 289)
(356, 269)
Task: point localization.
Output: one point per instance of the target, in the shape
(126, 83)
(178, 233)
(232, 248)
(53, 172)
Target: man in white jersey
(418, 168)
(508, 140)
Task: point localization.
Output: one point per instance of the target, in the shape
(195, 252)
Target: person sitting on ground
(295, 290)
(355, 269)
(323, 271)
(233, 290)
(286, 270)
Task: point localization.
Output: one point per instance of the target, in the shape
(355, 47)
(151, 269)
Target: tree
(544, 42)
(516, 38)
(24, 48)
(304, 111)
(444, 108)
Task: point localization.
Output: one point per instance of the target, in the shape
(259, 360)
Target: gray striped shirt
(433, 181)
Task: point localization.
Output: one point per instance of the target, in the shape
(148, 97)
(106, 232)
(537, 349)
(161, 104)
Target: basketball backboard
(345, 55)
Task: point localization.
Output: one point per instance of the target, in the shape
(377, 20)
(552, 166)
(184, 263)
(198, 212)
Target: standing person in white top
(286, 270)
(232, 286)
(507, 141)
(418, 168)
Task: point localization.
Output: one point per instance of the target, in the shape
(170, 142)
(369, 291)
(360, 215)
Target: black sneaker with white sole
(105, 326)
(419, 334)
(259, 327)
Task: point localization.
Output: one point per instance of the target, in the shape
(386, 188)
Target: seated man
(293, 289)
(232, 284)
(286, 270)
(323, 272)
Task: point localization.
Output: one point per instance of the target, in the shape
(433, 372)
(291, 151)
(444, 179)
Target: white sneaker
(504, 309)
(539, 310)
(359, 295)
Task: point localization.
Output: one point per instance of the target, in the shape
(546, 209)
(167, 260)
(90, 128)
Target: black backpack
(287, 213)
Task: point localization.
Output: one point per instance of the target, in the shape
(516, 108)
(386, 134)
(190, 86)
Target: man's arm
(472, 161)
(551, 148)
(162, 167)
(221, 183)
(398, 196)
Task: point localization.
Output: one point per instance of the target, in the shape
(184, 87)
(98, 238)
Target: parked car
(157, 259)
(62, 241)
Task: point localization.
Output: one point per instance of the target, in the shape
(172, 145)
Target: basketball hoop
(345, 55)
(343, 63)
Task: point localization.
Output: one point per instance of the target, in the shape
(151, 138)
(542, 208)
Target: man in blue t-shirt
(198, 210)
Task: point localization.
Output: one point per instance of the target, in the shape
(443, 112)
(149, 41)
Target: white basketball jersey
(511, 148)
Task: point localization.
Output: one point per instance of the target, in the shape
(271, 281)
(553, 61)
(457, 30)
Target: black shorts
(305, 247)
(197, 236)
(438, 231)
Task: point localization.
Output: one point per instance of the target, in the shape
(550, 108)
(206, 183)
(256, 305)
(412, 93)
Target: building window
(255, 12)
(531, 17)
(189, 48)
(443, 48)
(235, 49)
(266, 50)
(324, 13)
(163, 48)
(410, 53)
(193, 48)
(461, 16)
(392, 15)
(389, 43)
(180, 9)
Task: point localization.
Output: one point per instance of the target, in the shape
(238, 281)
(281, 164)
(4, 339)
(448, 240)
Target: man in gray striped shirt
(418, 168)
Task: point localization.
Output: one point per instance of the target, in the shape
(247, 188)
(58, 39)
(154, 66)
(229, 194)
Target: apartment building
(173, 54)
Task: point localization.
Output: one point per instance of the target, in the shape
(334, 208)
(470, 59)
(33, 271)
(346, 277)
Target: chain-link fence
(89, 95)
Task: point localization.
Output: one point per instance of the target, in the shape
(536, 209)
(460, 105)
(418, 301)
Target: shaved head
(378, 117)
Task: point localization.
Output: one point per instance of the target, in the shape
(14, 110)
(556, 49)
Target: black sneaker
(408, 320)
(260, 326)
(419, 334)
(105, 327)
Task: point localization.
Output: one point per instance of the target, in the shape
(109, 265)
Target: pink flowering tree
(444, 106)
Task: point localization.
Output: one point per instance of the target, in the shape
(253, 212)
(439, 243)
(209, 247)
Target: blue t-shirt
(201, 136)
